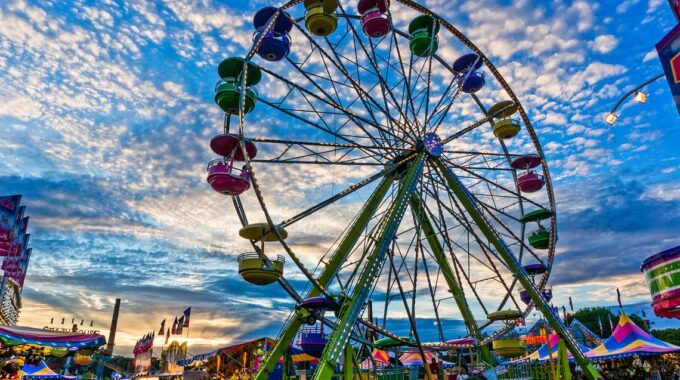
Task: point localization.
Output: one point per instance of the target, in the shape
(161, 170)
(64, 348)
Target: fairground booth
(34, 353)
(242, 360)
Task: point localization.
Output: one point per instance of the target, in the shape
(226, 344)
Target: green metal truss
(354, 304)
(470, 205)
(296, 319)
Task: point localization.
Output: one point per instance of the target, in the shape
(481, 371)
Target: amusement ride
(385, 125)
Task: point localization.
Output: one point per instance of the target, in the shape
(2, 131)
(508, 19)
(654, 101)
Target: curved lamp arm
(611, 117)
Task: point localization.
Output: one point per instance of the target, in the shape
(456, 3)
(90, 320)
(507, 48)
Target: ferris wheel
(379, 150)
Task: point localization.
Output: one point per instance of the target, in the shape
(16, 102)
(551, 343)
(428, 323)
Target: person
(434, 368)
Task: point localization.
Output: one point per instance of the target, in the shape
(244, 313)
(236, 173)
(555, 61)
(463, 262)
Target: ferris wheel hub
(430, 143)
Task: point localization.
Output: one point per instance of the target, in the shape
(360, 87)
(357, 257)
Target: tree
(589, 317)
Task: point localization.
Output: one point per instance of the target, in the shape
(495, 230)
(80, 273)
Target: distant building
(15, 256)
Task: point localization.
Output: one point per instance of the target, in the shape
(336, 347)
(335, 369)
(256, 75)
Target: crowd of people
(662, 367)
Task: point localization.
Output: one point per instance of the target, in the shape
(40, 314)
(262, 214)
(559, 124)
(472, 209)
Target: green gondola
(536, 216)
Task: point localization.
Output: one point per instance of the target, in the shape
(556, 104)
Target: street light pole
(611, 117)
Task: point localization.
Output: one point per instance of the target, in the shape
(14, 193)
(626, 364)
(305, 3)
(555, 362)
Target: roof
(16, 335)
(629, 340)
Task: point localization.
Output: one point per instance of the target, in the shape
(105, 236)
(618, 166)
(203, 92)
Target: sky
(106, 111)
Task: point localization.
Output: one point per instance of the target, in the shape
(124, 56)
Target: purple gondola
(275, 44)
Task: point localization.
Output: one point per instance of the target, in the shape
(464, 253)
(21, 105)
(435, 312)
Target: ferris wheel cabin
(524, 295)
(504, 315)
(226, 179)
(373, 22)
(535, 269)
(255, 267)
(510, 347)
(504, 127)
(530, 181)
(423, 36)
(320, 17)
(470, 79)
(275, 44)
(223, 174)
(228, 88)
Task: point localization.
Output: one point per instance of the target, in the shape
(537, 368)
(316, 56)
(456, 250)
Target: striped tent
(413, 358)
(630, 340)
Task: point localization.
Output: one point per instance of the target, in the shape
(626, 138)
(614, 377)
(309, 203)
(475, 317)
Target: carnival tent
(42, 371)
(16, 336)
(629, 340)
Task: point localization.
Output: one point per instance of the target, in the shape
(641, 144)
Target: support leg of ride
(294, 323)
(470, 204)
(353, 306)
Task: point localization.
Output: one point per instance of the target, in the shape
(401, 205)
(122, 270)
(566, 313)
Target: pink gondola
(224, 178)
(530, 182)
(373, 23)
(527, 162)
(226, 145)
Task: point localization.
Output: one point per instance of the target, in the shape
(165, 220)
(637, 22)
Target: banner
(143, 363)
(9, 207)
(669, 54)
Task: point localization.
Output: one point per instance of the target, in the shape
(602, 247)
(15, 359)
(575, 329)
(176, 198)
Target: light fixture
(640, 97)
(611, 118)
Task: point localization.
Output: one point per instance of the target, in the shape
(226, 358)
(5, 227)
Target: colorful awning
(41, 371)
(15, 336)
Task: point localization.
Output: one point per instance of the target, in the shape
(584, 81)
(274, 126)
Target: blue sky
(106, 111)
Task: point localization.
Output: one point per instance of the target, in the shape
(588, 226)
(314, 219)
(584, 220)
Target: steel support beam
(470, 204)
(352, 307)
(296, 319)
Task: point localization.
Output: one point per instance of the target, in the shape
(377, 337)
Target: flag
(601, 329)
(618, 297)
(564, 313)
(51, 320)
(180, 324)
(82, 321)
(187, 315)
(167, 337)
(174, 326)
(92, 323)
(611, 325)
(642, 311)
(73, 320)
(161, 331)
(62, 320)
(571, 305)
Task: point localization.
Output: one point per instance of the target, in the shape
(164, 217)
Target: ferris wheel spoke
(340, 195)
(358, 120)
(363, 95)
(335, 105)
(495, 184)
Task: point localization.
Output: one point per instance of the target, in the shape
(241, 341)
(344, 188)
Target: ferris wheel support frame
(297, 318)
(351, 308)
(456, 290)
(468, 201)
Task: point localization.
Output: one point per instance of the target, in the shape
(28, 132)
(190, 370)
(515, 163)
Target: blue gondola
(275, 44)
(470, 79)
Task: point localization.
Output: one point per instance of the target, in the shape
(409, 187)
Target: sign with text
(669, 54)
